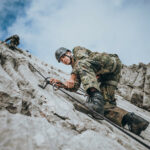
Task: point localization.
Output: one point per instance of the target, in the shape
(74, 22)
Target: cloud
(9, 11)
(114, 26)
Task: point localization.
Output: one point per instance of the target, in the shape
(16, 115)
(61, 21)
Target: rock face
(35, 119)
(135, 85)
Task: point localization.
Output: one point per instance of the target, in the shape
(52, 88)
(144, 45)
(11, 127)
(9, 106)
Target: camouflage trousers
(111, 111)
(89, 80)
(114, 113)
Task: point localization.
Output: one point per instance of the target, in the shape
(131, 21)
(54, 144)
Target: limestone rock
(135, 85)
(35, 119)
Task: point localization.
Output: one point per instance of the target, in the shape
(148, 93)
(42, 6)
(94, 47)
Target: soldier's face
(65, 59)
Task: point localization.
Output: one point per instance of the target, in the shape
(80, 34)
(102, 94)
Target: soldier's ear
(69, 53)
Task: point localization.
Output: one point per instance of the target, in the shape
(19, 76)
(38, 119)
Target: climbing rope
(61, 85)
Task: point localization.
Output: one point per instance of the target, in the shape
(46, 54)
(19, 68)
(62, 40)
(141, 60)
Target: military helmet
(16, 36)
(59, 52)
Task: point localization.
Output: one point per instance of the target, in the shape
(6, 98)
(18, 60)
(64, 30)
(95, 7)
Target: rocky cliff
(35, 119)
(135, 85)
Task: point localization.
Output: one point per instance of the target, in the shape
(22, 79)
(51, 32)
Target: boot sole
(139, 130)
(145, 126)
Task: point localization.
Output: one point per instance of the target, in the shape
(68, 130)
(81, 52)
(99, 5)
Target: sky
(112, 26)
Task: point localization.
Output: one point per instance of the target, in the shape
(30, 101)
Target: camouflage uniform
(87, 66)
(14, 41)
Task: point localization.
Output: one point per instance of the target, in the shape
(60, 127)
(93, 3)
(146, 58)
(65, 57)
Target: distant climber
(13, 41)
(99, 74)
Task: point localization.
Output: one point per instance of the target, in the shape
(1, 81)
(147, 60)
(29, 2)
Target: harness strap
(111, 82)
(115, 64)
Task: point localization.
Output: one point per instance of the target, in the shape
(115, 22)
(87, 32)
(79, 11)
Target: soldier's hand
(56, 82)
(70, 83)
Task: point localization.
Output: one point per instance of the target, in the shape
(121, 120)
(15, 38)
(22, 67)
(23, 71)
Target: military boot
(135, 123)
(96, 103)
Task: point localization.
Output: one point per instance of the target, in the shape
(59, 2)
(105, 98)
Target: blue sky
(10, 10)
(113, 26)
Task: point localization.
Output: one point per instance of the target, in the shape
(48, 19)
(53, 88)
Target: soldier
(99, 74)
(14, 41)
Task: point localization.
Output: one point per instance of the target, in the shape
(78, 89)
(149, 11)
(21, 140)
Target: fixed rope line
(115, 125)
(103, 117)
(38, 71)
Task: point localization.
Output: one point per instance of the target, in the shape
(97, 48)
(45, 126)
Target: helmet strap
(70, 59)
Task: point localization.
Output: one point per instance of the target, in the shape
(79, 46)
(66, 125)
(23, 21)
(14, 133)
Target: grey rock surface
(35, 119)
(135, 85)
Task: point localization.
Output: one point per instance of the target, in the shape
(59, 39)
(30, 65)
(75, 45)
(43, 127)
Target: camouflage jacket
(100, 63)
